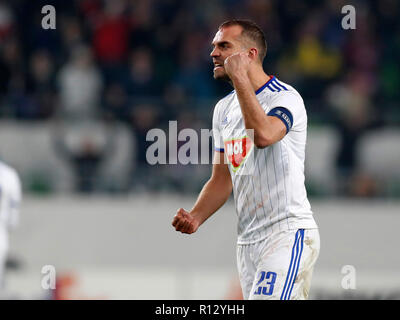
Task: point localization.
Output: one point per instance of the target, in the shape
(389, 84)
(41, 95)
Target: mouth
(218, 65)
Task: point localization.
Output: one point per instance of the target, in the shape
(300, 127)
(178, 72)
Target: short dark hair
(251, 30)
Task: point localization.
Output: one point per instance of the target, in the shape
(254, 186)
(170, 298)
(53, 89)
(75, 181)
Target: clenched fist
(237, 64)
(184, 222)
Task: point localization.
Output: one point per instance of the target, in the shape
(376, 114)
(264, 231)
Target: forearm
(266, 130)
(253, 114)
(212, 197)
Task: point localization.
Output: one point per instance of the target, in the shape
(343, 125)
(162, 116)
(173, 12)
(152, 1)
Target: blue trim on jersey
(265, 85)
(220, 149)
(270, 88)
(280, 84)
(273, 84)
(284, 114)
(294, 265)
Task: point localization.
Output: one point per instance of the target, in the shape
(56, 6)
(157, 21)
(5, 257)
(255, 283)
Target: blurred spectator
(142, 21)
(6, 20)
(140, 79)
(111, 30)
(86, 162)
(5, 76)
(354, 113)
(71, 32)
(187, 177)
(115, 102)
(389, 73)
(80, 85)
(194, 70)
(12, 56)
(362, 47)
(143, 118)
(311, 59)
(16, 103)
(81, 138)
(175, 100)
(41, 84)
(83, 145)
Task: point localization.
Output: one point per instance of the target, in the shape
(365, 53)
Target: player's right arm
(214, 194)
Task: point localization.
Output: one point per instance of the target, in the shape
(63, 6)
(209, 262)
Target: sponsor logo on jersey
(237, 150)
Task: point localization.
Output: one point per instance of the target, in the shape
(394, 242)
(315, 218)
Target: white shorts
(280, 266)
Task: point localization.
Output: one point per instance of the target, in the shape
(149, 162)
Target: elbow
(262, 142)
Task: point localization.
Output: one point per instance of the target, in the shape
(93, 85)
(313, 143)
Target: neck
(257, 77)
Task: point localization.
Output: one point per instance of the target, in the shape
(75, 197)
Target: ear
(253, 53)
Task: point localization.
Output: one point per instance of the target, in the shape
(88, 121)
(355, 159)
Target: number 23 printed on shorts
(265, 284)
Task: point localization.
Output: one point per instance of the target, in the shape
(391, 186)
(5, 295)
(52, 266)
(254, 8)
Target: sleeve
(217, 135)
(288, 107)
(14, 200)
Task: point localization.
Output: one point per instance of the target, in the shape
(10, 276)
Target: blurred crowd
(145, 62)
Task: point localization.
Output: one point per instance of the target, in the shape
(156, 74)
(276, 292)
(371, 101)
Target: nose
(214, 52)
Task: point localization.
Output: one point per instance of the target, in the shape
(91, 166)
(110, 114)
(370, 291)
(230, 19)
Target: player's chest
(232, 123)
(238, 141)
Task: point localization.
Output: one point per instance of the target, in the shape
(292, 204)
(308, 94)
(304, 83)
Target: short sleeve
(289, 107)
(217, 135)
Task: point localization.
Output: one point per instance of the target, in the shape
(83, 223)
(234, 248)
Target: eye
(225, 45)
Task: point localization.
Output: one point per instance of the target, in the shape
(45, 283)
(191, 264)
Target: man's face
(226, 42)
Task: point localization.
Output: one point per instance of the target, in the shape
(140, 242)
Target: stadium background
(77, 102)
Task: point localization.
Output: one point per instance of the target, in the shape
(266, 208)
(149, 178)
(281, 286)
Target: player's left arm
(268, 129)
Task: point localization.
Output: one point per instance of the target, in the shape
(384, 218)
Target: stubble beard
(222, 76)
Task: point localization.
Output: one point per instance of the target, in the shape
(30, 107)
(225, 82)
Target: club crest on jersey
(237, 150)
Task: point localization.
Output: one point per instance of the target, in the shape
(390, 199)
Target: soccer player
(260, 128)
(10, 198)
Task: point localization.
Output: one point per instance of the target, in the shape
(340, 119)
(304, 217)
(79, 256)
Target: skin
(236, 59)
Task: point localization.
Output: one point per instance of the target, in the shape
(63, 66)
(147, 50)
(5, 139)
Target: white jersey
(10, 196)
(268, 183)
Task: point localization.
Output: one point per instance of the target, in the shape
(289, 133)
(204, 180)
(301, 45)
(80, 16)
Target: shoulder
(282, 98)
(8, 173)
(224, 102)
(276, 89)
(287, 97)
(228, 98)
